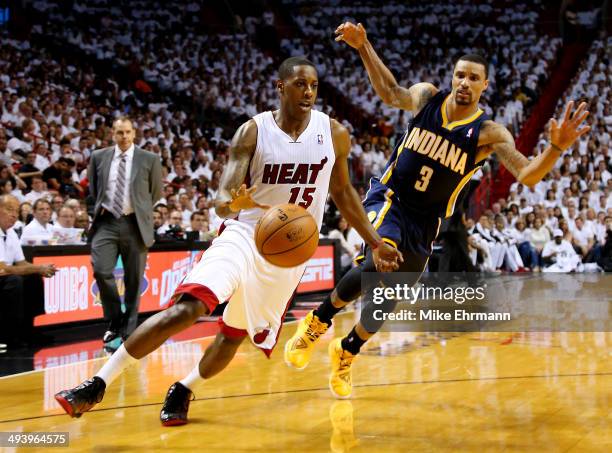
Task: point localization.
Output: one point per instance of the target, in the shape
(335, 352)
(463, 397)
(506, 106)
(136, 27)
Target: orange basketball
(287, 235)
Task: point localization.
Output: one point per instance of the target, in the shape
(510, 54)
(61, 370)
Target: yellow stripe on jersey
(391, 242)
(454, 124)
(450, 207)
(385, 208)
(385, 177)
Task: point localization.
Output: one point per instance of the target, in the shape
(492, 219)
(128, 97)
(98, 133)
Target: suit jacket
(145, 186)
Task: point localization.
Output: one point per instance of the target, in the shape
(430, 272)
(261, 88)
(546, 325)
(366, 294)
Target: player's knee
(337, 300)
(229, 343)
(186, 311)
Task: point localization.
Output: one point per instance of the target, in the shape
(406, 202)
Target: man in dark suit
(124, 183)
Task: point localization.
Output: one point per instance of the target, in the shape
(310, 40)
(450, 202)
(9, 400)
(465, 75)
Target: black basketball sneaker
(83, 397)
(176, 405)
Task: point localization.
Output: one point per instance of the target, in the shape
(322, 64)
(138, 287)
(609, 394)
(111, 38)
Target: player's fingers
(580, 109)
(581, 118)
(339, 38)
(251, 189)
(233, 193)
(553, 124)
(568, 110)
(583, 130)
(400, 256)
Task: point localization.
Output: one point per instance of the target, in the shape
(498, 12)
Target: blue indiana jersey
(433, 161)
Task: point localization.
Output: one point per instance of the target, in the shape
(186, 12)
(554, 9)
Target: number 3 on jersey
(306, 196)
(422, 183)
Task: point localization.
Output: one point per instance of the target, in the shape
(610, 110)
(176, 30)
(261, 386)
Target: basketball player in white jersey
(290, 155)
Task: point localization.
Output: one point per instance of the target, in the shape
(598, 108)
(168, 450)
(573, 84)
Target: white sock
(193, 379)
(118, 362)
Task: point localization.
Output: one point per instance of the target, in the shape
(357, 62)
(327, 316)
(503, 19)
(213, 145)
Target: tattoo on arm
(424, 96)
(510, 157)
(413, 98)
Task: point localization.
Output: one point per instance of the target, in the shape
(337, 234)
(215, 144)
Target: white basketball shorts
(258, 292)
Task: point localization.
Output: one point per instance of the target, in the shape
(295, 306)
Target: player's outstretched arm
(497, 139)
(233, 195)
(383, 81)
(348, 202)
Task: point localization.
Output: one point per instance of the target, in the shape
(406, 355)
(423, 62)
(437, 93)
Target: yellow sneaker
(340, 381)
(299, 347)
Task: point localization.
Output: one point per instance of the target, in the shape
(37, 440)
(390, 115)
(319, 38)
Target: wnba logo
(118, 274)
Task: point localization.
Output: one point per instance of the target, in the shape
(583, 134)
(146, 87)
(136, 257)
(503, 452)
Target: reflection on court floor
(505, 391)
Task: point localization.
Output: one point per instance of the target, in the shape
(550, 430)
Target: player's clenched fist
(354, 35)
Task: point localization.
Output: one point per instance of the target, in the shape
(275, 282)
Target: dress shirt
(112, 180)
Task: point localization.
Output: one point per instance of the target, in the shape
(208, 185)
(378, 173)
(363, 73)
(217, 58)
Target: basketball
(287, 235)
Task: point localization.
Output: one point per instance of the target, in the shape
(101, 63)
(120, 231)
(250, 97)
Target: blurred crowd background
(189, 73)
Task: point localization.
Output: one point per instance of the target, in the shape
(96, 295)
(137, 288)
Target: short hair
(63, 208)
(285, 70)
(196, 213)
(123, 118)
(39, 202)
(476, 58)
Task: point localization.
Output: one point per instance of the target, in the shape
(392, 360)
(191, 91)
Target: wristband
(376, 245)
(552, 145)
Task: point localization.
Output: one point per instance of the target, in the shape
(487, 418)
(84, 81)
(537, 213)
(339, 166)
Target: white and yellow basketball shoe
(299, 347)
(340, 380)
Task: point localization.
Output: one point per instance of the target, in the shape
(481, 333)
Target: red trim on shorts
(229, 331)
(268, 352)
(200, 292)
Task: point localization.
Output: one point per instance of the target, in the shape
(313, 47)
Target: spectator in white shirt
(16, 312)
(583, 237)
(64, 230)
(560, 254)
(39, 230)
(339, 230)
(38, 190)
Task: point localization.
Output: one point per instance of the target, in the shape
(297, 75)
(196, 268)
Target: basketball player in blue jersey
(445, 144)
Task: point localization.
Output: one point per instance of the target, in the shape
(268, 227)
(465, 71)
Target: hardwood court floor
(414, 392)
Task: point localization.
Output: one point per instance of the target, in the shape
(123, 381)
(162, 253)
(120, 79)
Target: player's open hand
(387, 258)
(565, 134)
(354, 35)
(243, 199)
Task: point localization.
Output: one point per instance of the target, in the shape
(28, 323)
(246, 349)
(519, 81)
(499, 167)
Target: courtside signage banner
(319, 273)
(73, 295)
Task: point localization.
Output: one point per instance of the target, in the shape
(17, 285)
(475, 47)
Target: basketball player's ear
(280, 86)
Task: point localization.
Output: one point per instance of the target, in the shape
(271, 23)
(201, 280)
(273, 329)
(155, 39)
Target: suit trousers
(113, 238)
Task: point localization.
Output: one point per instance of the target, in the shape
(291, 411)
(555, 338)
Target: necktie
(117, 205)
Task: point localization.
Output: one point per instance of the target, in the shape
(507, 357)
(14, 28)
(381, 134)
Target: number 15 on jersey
(306, 198)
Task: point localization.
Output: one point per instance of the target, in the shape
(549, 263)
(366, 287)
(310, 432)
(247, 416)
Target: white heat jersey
(288, 171)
